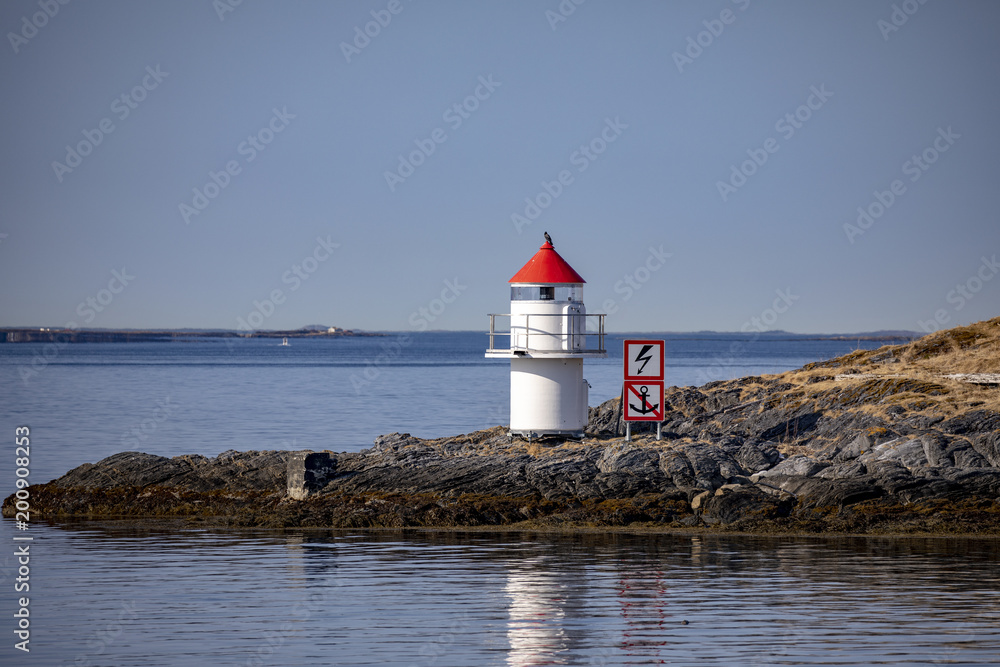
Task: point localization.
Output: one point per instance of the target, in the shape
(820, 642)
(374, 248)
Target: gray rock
(231, 471)
(891, 475)
(675, 465)
(965, 456)
(711, 465)
(922, 422)
(977, 421)
(846, 470)
(732, 503)
(769, 456)
(936, 450)
(628, 459)
(697, 501)
(798, 465)
(988, 446)
(855, 448)
(819, 492)
(721, 400)
(909, 453)
(126, 469)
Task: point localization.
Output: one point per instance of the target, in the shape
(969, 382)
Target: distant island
(46, 335)
(64, 335)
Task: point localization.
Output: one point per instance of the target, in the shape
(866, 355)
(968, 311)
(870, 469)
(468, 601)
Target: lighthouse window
(546, 293)
(523, 293)
(573, 293)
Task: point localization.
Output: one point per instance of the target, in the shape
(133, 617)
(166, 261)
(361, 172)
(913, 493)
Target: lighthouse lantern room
(548, 337)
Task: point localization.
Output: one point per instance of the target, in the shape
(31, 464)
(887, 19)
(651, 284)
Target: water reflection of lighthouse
(536, 628)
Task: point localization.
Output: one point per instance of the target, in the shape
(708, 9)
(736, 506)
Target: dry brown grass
(971, 349)
(536, 449)
(962, 350)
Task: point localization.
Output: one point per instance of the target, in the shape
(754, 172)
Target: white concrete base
(548, 396)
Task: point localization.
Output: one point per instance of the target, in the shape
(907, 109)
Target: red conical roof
(546, 267)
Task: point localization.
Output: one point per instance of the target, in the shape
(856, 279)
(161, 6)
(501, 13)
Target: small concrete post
(308, 472)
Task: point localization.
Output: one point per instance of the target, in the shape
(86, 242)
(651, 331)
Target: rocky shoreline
(892, 440)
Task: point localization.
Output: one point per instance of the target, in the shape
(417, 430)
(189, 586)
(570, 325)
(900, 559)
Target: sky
(824, 166)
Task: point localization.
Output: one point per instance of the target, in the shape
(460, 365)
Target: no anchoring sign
(643, 401)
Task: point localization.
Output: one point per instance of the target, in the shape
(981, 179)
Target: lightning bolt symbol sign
(644, 359)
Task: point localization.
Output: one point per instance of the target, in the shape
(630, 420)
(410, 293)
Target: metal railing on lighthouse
(534, 334)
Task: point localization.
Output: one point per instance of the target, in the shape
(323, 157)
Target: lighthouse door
(575, 327)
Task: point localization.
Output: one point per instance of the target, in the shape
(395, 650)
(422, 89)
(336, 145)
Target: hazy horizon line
(884, 332)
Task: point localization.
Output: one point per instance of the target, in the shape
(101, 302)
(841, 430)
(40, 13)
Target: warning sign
(643, 359)
(643, 401)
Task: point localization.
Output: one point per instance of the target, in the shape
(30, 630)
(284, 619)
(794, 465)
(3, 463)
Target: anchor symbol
(647, 407)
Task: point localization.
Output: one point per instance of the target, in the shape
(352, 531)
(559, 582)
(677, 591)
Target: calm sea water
(102, 595)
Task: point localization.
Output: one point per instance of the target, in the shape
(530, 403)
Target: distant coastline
(44, 335)
(56, 335)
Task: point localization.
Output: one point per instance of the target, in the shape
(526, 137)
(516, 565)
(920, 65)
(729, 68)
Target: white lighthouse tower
(548, 343)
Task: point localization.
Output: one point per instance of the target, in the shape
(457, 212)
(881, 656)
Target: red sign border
(628, 384)
(643, 341)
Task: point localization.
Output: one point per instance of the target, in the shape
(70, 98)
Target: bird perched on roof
(548, 239)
